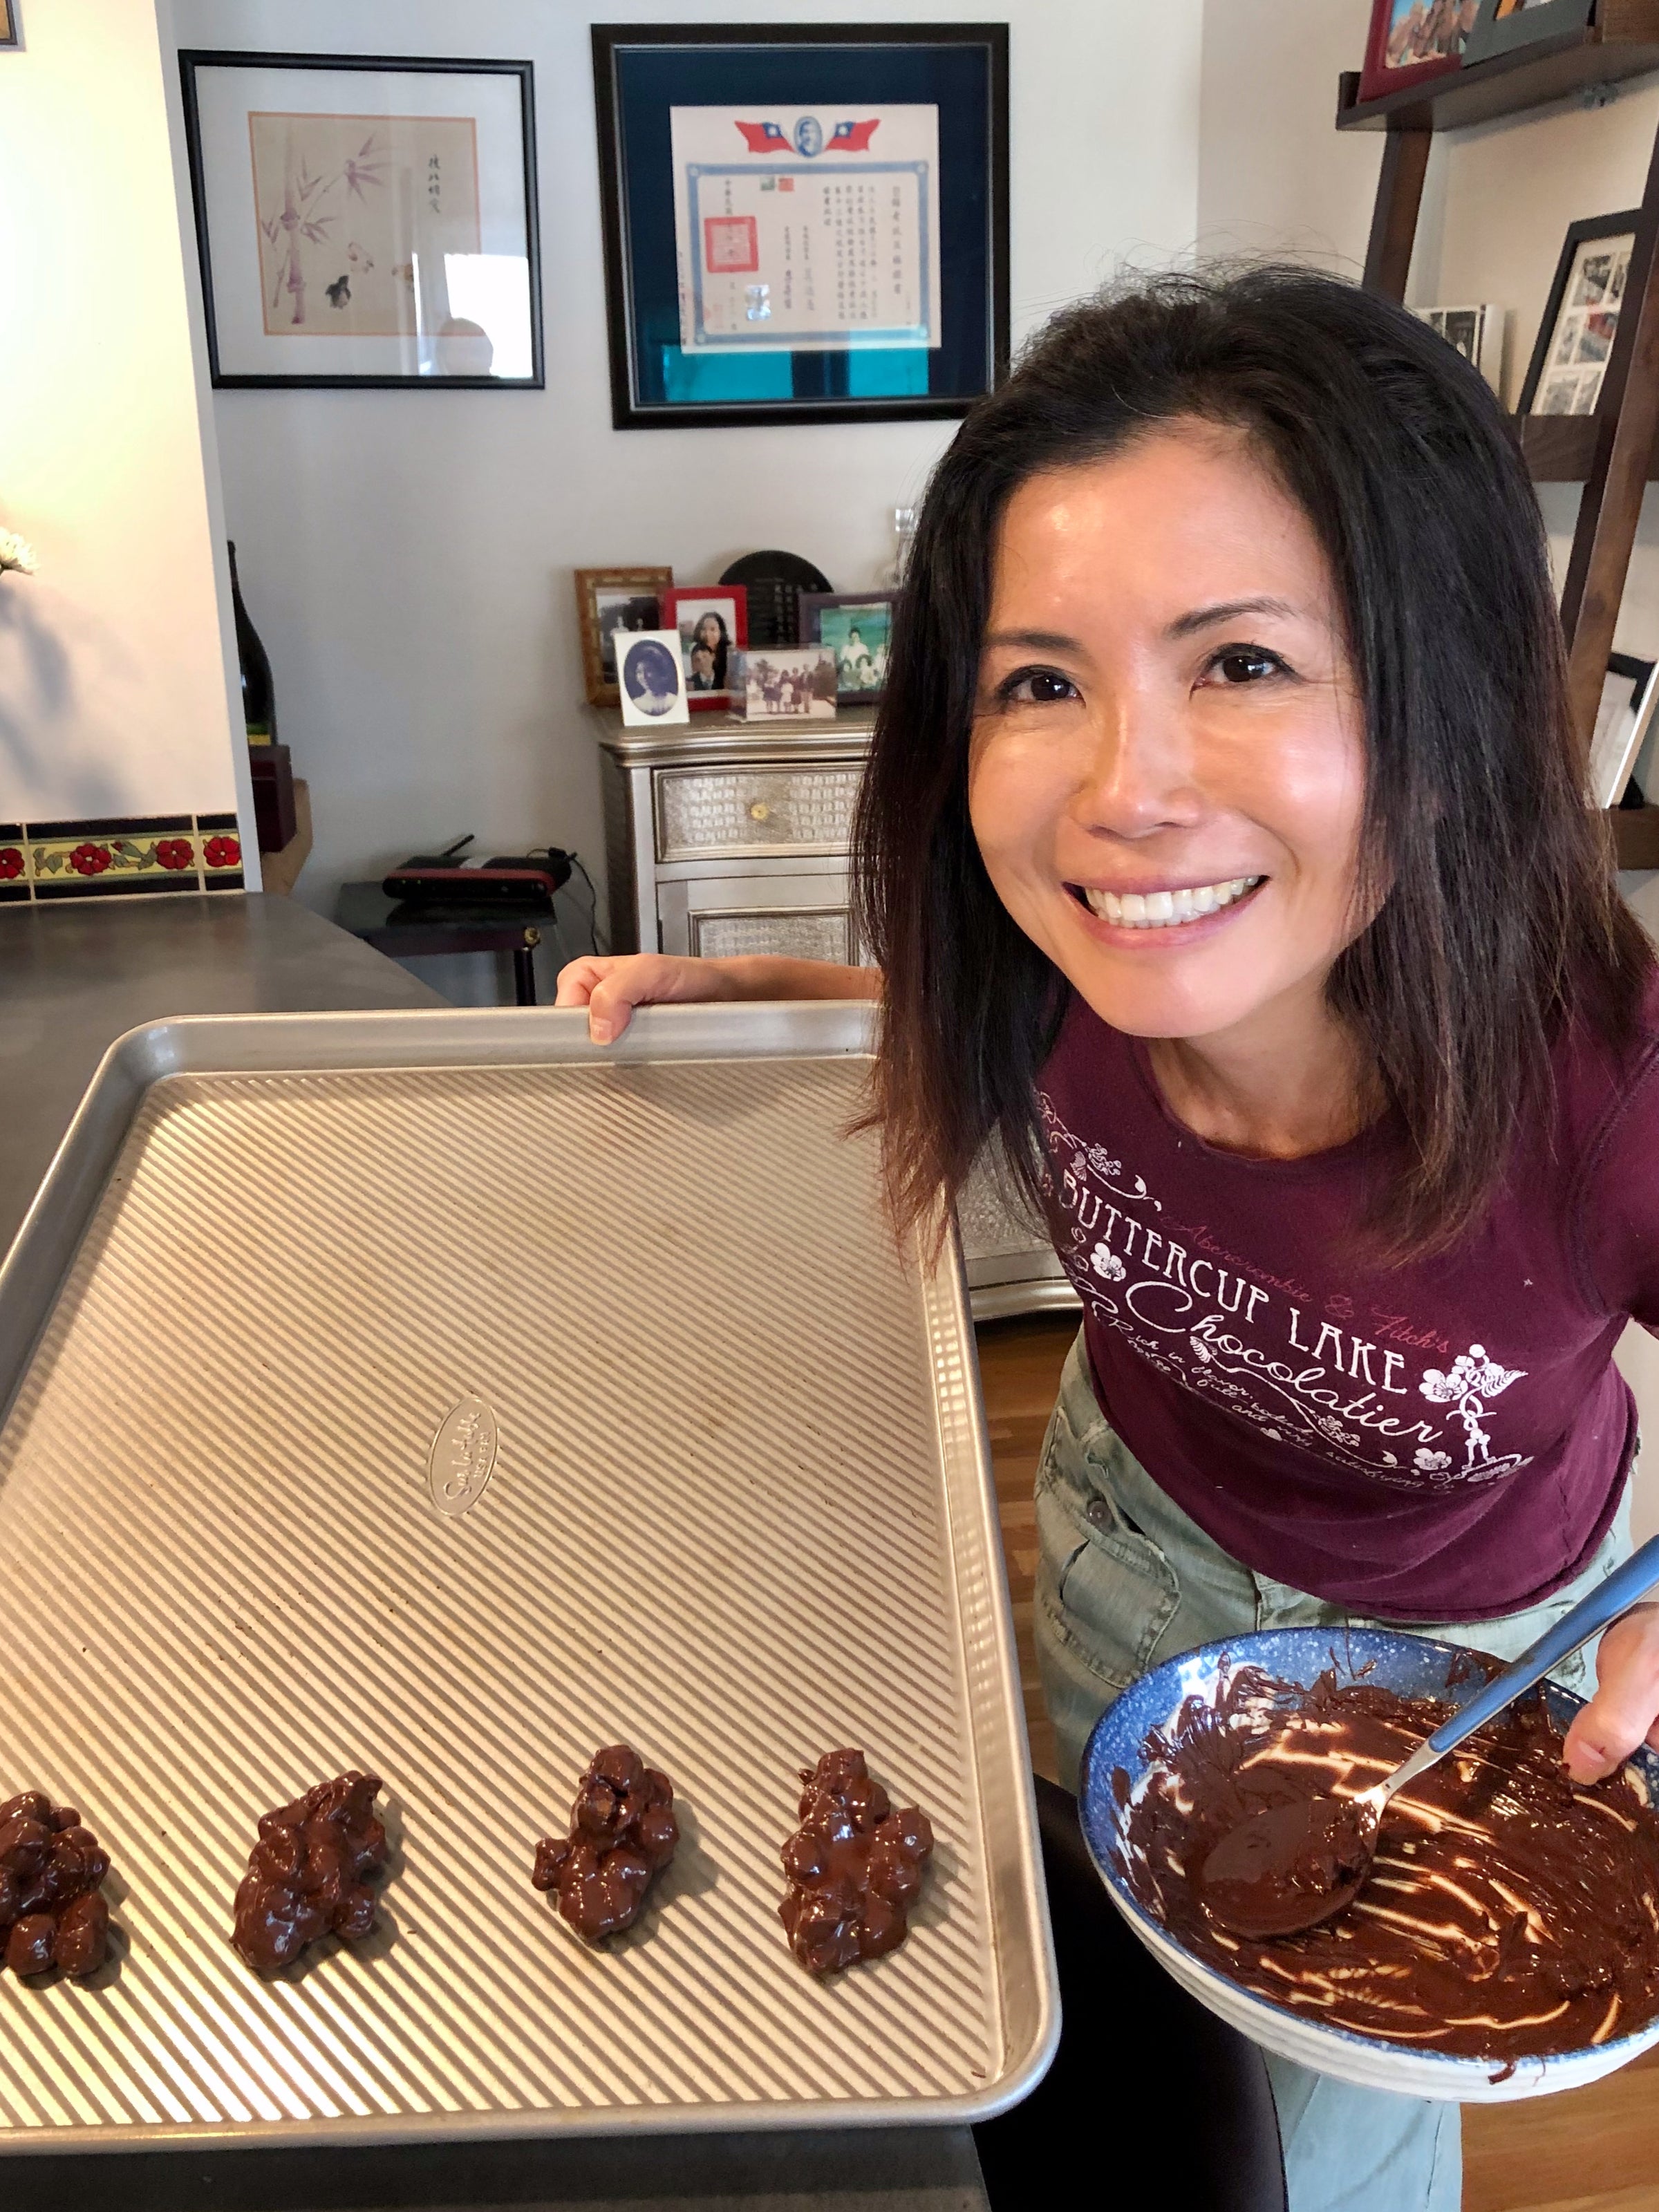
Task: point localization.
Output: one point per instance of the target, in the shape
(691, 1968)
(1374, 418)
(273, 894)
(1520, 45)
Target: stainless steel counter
(74, 977)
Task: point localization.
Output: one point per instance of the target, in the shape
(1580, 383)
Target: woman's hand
(1624, 1713)
(611, 985)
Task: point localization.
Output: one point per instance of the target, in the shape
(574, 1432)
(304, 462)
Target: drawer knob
(760, 811)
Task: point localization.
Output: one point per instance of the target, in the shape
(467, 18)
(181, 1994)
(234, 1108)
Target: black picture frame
(1529, 24)
(1588, 229)
(11, 27)
(641, 70)
(194, 58)
(814, 607)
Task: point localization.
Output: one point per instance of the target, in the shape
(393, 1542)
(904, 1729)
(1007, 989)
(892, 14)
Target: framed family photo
(1581, 319)
(712, 622)
(857, 627)
(612, 602)
(1412, 41)
(364, 221)
(803, 221)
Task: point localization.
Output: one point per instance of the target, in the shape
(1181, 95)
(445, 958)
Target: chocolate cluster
(623, 1832)
(309, 1874)
(51, 1873)
(855, 1866)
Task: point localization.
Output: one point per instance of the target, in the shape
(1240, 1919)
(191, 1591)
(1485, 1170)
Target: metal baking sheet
(287, 1280)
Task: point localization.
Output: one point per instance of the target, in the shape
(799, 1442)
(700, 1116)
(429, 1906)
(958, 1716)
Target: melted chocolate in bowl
(1509, 1913)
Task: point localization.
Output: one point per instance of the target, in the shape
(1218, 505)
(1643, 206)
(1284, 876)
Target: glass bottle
(904, 529)
(258, 699)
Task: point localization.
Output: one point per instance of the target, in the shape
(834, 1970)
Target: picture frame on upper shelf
(608, 601)
(1580, 323)
(712, 621)
(11, 27)
(365, 220)
(726, 149)
(858, 627)
(1504, 25)
(1411, 42)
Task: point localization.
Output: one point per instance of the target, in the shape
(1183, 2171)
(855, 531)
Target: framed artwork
(610, 601)
(651, 676)
(11, 28)
(712, 621)
(1623, 722)
(1411, 41)
(857, 627)
(1581, 320)
(1503, 24)
(365, 222)
(803, 223)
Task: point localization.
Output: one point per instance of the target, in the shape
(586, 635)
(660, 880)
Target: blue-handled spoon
(1289, 1867)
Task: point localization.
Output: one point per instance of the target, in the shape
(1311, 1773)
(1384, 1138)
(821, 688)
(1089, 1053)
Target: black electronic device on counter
(432, 879)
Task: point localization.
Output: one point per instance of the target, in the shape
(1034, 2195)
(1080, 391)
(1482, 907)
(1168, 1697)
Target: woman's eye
(1246, 664)
(1036, 687)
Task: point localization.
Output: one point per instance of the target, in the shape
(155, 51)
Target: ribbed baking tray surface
(738, 1514)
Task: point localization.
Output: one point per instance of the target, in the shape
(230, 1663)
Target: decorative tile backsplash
(153, 852)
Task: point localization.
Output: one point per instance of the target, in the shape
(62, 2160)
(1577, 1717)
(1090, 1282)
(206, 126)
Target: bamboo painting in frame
(364, 221)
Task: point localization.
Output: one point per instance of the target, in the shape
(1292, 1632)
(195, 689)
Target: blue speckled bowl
(1416, 1668)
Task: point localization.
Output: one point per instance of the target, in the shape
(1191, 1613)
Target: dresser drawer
(706, 813)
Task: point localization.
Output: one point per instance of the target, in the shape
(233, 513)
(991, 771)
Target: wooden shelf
(1635, 835)
(1511, 83)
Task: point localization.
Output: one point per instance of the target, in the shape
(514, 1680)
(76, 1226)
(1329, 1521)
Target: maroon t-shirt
(1446, 1440)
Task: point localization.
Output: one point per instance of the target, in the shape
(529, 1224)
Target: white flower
(1104, 1261)
(1431, 1462)
(17, 553)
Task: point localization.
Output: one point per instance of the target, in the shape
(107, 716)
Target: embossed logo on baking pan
(463, 1456)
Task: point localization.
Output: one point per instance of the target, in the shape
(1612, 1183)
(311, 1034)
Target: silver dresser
(725, 837)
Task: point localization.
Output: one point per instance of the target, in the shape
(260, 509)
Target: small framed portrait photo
(858, 627)
(651, 678)
(1411, 41)
(713, 624)
(609, 600)
(1581, 320)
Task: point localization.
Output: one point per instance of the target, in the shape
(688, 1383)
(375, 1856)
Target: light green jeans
(1125, 1580)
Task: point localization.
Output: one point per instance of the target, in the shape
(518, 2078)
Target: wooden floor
(1589, 2150)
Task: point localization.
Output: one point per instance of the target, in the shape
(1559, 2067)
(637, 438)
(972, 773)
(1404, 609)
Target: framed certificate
(803, 223)
(365, 220)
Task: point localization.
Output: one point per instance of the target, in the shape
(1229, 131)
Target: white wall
(114, 694)
(407, 557)
(1275, 176)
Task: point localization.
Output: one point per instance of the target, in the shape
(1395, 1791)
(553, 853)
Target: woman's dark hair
(1499, 916)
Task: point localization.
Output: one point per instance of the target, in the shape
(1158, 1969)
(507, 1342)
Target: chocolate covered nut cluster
(309, 1873)
(52, 1872)
(623, 1832)
(855, 1866)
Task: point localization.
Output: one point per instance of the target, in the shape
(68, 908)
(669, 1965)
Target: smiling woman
(1226, 850)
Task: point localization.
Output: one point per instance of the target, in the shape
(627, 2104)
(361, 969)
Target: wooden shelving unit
(1613, 452)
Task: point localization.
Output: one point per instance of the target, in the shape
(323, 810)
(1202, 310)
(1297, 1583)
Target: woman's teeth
(1158, 910)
